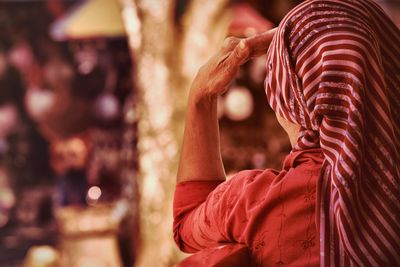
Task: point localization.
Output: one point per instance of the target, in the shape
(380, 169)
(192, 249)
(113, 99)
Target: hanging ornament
(21, 56)
(39, 102)
(86, 57)
(107, 107)
(238, 103)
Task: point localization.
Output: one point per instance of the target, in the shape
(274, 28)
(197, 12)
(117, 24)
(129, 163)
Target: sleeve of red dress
(203, 212)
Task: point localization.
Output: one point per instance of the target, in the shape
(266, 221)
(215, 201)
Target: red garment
(271, 212)
(231, 255)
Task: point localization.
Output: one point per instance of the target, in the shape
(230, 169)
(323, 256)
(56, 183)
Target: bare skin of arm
(200, 156)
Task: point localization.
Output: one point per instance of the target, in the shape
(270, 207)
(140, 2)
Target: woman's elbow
(182, 239)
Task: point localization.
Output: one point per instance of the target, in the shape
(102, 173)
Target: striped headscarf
(334, 69)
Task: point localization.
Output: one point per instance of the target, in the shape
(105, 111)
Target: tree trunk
(166, 57)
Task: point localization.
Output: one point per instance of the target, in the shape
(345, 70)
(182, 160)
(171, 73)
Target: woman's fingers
(259, 44)
(250, 47)
(239, 55)
(244, 49)
(229, 44)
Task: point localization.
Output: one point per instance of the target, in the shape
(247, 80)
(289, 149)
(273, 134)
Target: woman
(333, 80)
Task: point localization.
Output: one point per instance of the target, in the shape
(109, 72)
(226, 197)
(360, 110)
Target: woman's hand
(214, 77)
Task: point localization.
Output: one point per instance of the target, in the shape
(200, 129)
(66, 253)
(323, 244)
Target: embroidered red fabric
(271, 212)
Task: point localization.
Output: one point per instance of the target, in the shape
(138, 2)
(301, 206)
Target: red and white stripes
(334, 68)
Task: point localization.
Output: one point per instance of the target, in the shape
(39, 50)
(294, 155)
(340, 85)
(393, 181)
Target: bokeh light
(93, 195)
(238, 103)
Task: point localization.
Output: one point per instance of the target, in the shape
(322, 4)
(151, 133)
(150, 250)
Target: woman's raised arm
(200, 155)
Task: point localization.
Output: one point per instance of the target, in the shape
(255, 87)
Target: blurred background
(92, 104)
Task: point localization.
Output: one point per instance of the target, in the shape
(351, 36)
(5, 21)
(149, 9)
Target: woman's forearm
(200, 155)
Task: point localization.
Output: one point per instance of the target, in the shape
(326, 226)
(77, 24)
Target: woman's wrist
(199, 96)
